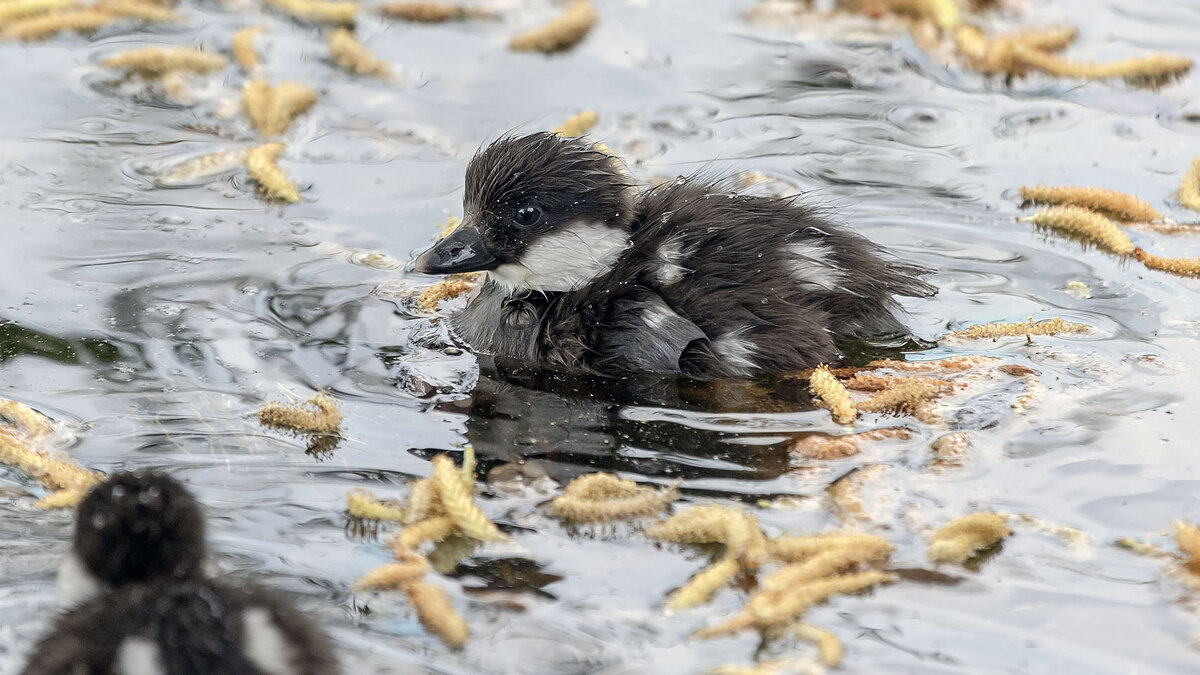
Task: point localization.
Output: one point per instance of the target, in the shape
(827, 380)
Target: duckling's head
(540, 212)
(139, 526)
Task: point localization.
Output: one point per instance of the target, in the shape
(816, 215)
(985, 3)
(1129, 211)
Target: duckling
(139, 538)
(585, 273)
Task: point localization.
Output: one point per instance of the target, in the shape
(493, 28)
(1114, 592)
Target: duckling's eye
(527, 215)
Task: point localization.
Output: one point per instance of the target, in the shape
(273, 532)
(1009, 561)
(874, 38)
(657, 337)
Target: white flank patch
(669, 255)
(264, 643)
(565, 259)
(812, 266)
(736, 351)
(139, 656)
(75, 585)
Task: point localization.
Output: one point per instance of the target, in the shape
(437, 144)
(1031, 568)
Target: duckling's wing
(645, 335)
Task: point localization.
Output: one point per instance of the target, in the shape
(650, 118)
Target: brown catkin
(460, 503)
(1189, 187)
(319, 414)
(1086, 224)
(431, 12)
(1183, 267)
(437, 615)
(318, 11)
(350, 54)
(242, 47)
(966, 536)
(158, 60)
(1110, 202)
(262, 165)
(289, 100)
(832, 395)
(828, 446)
(392, 576)
(994, 331)
(449, 288)
(561, 32)
(905, 398)
(13, 10)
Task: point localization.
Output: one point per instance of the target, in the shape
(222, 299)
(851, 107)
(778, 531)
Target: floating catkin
(1189, 187)
(832, 395)
(966, 536)
(606, 498)
(20, 9)
(394, 576)
(158, 60)
(318, 11)
(707, 524)
(432, 12)
(1151, 70)
(437, 615)
(1085, 224)
(701, 587)
(66, 480)
(828, 645)
(994, 331)
(242, 47)
(449, 288)
(1110, 202)
(46, 25)
(1187, 539)
(459, 503)
(202, 168)
(562, 32)
(272, 110)
(1184, 267)
(362, 504)
(578, 124)
(829, 446)
(319, 414)
(798, 548)
(846, 492)
(350, 54)
(28, 421)
(135, 9)
(429, 530)
(262, 165)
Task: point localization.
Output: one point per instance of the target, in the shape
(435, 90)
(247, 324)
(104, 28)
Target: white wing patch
(139, 656)
(565, 259)
(264, 644)
(75, 584)
(737, 352)
(812, 266)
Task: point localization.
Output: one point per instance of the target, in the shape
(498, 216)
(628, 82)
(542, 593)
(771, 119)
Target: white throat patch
(566, 259)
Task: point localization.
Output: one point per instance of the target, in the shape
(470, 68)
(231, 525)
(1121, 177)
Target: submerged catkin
(437, 615)
(1189, 187)
(1110, 202)
(832, 395)
(319, 414)
(262, 165)
(158, 60)
(349, 53)
(242, 47)
(561, 32)
(429, 530)
(1183, 267)
(963, 537)
(1085, 224)
(202, 168)
(20, 448)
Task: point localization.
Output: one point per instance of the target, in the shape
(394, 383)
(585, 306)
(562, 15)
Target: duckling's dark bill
(460, 251)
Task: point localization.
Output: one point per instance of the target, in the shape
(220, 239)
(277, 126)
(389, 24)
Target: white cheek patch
(264, 644)
(75, 584)
(565, 259)
(139, 656)
(812, 266)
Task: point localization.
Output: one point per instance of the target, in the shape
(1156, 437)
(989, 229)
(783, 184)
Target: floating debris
(828, 645)
(948, 450)
(701, 587)
(318, 11)
(432, 12)
(437, 615)
(832, 395)
(560, 33)
(799, 548)
(964, 537)
(158, 60)
(846, 492)
(604, 497)
(908, 396)
(21, 448)
(362, 504)
(1028, 328)
(201, 168)
(449, 288)
(1086, 224)
(28, 421)
(76, 21)
(830, 446)
(349, 53)
(13, 10)
(1189, 187)
(1153, 70)
(711, 524)
(136, 9)
(1112, 203)
(242, 47)
(273, 109)
(262, 165)
(394, 576)
(578, 124)
(1183, 267)
(428, 531)
(320, 414)
(457, 498)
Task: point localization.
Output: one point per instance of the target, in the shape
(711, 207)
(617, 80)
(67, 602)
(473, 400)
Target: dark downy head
(139, 526)
(540, 212)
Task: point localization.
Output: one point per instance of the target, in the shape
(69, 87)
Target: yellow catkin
(136, 9)
(289, 100)
(905, 398)
(830, 647)
(350, 54)
(262, 165)
(158, 60)
(943, 13)
(362, 504)
(880, 382)
(202, 168)
(798, 548)
(1153, 69)
(451, 224)
(994, 331)
(701, 587)
(46, 25)
(422, 501)
(966, 536)
(1189, 187)
(242, 47)
(319, 414)
(256, 102)
(432, 12)
(1110, 202)
(62, 475)
(318, 11)
(1051, 39)
(430, 530)
(459, 503)
(647, 503)
(828, 563)
(601, 486)
(1085, 224)
(950, 364)
(28, 421)
(437, 615)
(561, 32)
(447, 289)
(578, 124)
(1143, 548)
(1187, 539)
(832, 395)
(393, 576)
(1183, 267)
(697, 525)
(13, 10)
(61, 499)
